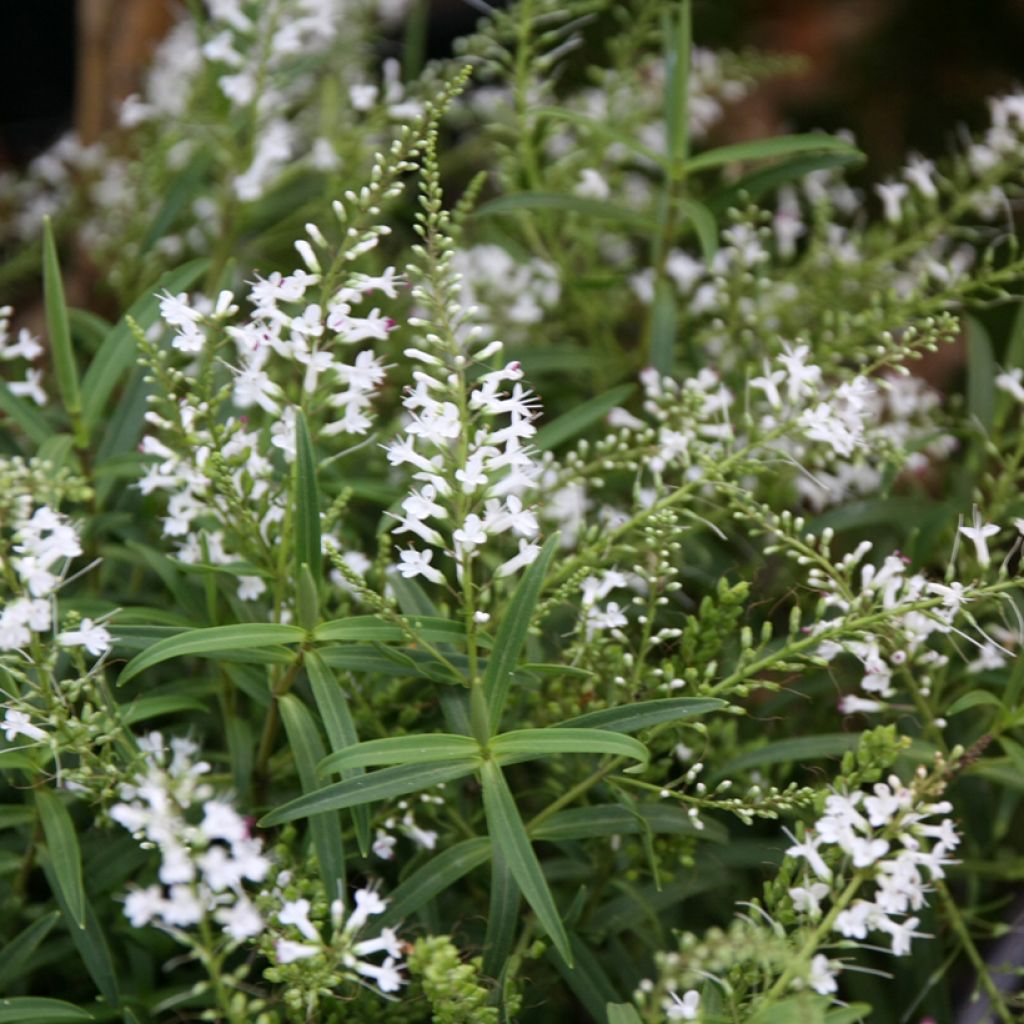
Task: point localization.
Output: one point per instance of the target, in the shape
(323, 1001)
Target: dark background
(900, 73)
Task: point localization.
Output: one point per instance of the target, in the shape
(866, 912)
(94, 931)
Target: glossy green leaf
(797, 750)
(17, 952)
(118, 352)
(418, 748)
(974, 699)
(90, 942)
(433, 878)
(507, 831)
(622, 1013)
(577, 419)
(511, 636)
(65, 856)
(38, 1010)
(590, 209)
(502, 916)
(308, 750)
(529, 744)
(58, 327)
(146, 708)
(211, 641)
(307, 501)
(662, 818)
(336, 717)
(664, 320)
(374, 628)
(362, 789)
(704, 226)
(766, 149)
(642, 715)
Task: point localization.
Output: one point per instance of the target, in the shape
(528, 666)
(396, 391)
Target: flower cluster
(27, 348)
(204, 864)
(295, 938)
(887, 839)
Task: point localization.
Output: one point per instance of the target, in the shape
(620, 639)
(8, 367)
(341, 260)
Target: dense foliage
(503, 559)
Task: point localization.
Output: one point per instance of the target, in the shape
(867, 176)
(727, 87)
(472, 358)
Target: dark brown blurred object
(116, 39)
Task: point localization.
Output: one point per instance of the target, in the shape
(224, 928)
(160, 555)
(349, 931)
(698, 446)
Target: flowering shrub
(545, 592)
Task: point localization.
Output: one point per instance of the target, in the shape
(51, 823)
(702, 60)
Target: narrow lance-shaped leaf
(414, 749)
(40, 1010)
(511, 636)
(307, 749)
(16, 953)
(529, 744)
(763, 149)
(65, 856)
(435, 877)
(642, 715)
(362, 789)
(59, 329)
(502, 915)
(212, 640)
(576, 420)
(507, 831)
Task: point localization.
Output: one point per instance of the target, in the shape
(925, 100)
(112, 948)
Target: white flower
(892, 194)
(808, 849)
(822, 975)
(417, 563)
(978, 534)
(807, 899)
(93, 637)
(288, 951)
(241, 920)
(1011, 383)
(296, 913)
(18, 723)
(143, 905)
(685, 1007)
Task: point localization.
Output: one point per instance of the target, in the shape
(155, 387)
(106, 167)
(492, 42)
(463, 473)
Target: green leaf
(981, 373)
(118, 352)
(307, 749)
(211, 641)
(622, 1013)
(590, 209)
(182, 190)
(307, 501)
(16, 953)
(27, 416)
(577, 419)
(805, 1008)
(507, 831)
(768, 180)
(592, 124)
(587, 979)
(418, 748)
(704, 225)
(380, 630)
(528, 744)
(434, 877)
(663, 818)
(362, 789)
(65, 856)
(972, 700)
(848, 1014)
(145, 708)
(678, 51)
(502, 916)
(664, 319)
(642, 715)
(58, 327)
(511, 636)
(802, 748)
(36, 1010)
(90, 942)
(765, 149)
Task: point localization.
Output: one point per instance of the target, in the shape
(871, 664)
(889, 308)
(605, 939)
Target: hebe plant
(501, 561)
